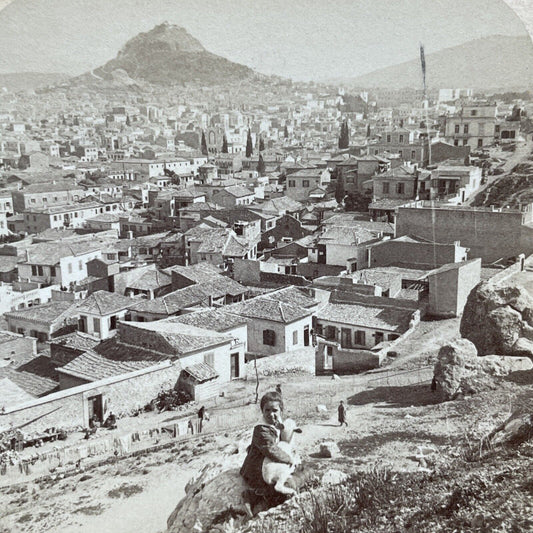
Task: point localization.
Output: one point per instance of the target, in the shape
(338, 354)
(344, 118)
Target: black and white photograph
(266, 266)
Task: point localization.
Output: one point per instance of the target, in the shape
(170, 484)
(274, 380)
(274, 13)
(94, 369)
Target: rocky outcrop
(329, 450)
(214, 493)
(501, 365)
(460, 371)
(456, 362)
(498, 319)
(518, 428)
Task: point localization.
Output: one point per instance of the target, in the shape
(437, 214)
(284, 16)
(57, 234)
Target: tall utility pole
(426, 102)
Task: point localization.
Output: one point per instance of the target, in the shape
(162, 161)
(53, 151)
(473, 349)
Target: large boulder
(501, 365)
(498, 318)
(455, 362)
(518, 428)
(215, 491)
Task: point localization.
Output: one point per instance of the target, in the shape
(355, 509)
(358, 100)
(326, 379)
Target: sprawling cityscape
(188, 245)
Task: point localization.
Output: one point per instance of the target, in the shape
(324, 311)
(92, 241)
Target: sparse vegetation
(125, 490)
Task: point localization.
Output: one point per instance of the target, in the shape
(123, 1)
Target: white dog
(279, 473)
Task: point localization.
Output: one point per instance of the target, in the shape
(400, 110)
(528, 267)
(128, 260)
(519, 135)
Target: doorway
(95, 406)
(306, 336)
(235, 370)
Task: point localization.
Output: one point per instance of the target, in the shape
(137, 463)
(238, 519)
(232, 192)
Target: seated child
(265, 441)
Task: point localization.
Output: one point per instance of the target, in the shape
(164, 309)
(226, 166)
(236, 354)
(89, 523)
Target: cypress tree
(344, 137)
(261, 144)
(339, 188)
(261, 166)
(224, 145)
(204, 144)
(249, 146)
(286, 132)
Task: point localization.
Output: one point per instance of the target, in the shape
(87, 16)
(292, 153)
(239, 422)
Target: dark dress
(264, 444)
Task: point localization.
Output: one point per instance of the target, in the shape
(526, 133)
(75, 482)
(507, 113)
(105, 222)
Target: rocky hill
(169, 55)
(492, 62)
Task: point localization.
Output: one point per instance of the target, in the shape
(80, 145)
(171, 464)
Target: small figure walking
(434, 384)
(201, 415)
(342, 414)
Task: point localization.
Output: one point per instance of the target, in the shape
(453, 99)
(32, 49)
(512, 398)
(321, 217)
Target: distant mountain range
(495, 62)
(169, 55)
(21, 81)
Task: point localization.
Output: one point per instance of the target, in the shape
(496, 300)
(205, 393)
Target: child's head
(272, 407)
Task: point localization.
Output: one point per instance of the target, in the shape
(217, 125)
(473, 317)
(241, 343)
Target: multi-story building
(42, 195)
(58, 263)
(302, 183)
(474, 126)
(66, 216)
(406, 144)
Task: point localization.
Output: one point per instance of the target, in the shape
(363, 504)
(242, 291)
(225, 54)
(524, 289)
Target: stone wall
(69, 408)
(490, 235)
(428, 254)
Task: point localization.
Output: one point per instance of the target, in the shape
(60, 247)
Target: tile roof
(76, 340)
(346, 235)
(201, 372)
(104, 303)
(285, 306)
(198, 273)
(212, 319)
(183, 338)
(193, 295)
(49, 253)
(8, 263)
(11, 394)
(92, 366)
(238, 191)
(45, 313)
(151, 279)
(36, 375)
(386, 318)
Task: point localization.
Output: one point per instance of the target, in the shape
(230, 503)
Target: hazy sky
(302, 39)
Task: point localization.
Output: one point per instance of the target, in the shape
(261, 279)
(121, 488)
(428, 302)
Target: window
(465, 129)
(400, 188)
(512, 134)
(479, 143)
(96, 325)
(40, 271)
(295, 337)
(413, 154)
(401, 138)
(456, 142)
(269, 337)
(385, 187)
(330, 333)
(388, 138)
(457, 128)
(305, 183)
(346, 338)
(360, 338)
(400, 153)
(209, 359)
(292, 183)
(33, 270)
(70, 268)
(473, 113)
